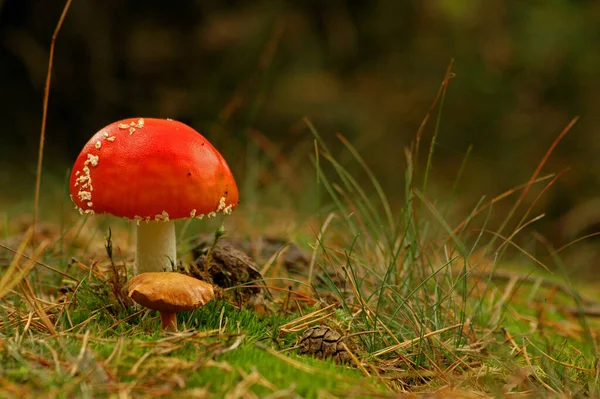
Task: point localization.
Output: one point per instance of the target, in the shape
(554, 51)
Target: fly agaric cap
(152, 169)
(169, 293)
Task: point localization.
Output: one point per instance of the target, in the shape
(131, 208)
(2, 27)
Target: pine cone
(323, 342)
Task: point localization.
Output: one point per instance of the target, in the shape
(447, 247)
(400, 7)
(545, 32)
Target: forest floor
(359, 299)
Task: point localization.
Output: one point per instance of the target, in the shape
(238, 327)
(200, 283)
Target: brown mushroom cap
(168, 291)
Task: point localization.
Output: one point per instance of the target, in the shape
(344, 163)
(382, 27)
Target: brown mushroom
(169, 293)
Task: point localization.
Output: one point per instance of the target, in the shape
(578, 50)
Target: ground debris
(229, 268)
(520, 378)
(261, 249)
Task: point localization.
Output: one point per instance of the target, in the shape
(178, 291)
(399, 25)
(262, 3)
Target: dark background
(245, 73)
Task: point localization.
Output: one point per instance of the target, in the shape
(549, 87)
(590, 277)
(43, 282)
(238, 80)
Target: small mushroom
(169, 293)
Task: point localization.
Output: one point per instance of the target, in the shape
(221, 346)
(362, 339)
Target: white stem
(155, 250)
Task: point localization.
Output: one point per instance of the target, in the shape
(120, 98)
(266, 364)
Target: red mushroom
(152, 171)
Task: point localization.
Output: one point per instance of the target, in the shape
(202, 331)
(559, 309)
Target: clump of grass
(98, 346)
(427, 293)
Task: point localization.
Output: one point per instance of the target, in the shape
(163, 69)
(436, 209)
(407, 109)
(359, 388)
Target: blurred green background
(246, 73)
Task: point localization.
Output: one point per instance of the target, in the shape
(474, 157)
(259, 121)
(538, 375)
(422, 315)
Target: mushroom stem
(156, 248)
(169, 321)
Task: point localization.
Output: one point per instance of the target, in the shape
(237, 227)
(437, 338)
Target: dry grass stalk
(302, 322)
(15, 274)
(38, 175)
(414, 340)
(355, 360)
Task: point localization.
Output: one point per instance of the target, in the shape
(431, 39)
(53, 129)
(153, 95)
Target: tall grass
(423, 293)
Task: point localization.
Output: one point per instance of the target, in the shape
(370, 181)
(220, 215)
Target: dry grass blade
(286, 171)
(298, 295)
(35, 303)
(380, 192)
(535, 175)
(539, 197)
(414, 340)
(575, 241)
(304, 321)
(508, 293)
(277, 255)
(541, 380)
(123, 320)
(116, 352)
(364, 307)
(44, 265)
(243, 388)
(294, 363)
(497, 199)
(14, 274)
(547, 155)
(504, 276)
(509, 338)
(443, 87)
(38, 176)
(77, 362)
(134, 370)
(17, 276)
(547, 356)
(355, 360)
(319, 240)
(522, 250)
(519, 229)
(299, 365)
